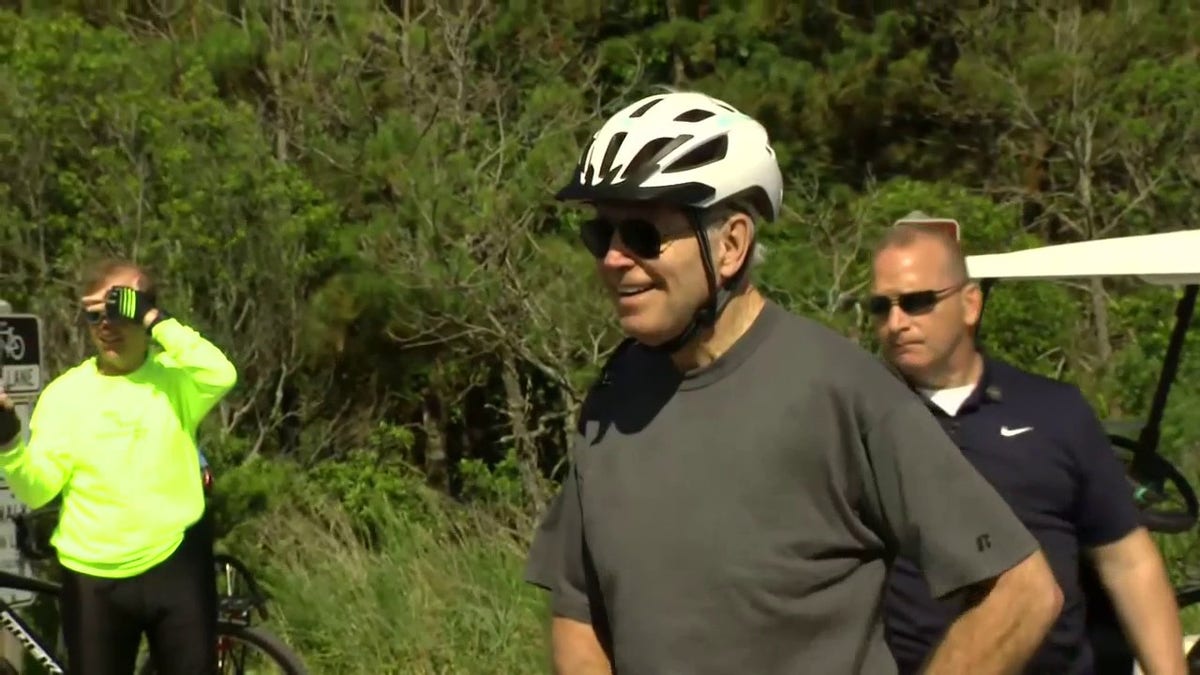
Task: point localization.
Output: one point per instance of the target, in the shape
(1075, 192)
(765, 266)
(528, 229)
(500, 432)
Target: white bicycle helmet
(690, 150)
(682, 148)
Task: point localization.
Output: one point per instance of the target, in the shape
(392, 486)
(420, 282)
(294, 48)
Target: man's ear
(733, 245)
(972, 300)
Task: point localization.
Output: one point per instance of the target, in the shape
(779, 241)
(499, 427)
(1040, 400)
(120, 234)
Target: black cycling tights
(173, 603)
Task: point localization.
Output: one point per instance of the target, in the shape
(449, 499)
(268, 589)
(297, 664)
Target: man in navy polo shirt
(1038, 442)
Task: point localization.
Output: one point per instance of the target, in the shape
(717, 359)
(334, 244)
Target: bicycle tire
(265, 640)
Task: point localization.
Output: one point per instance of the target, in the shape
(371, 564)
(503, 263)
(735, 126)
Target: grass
(440, 593)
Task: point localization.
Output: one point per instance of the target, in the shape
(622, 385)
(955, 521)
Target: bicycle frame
(33, 642)
(233, 610)
(239, 609)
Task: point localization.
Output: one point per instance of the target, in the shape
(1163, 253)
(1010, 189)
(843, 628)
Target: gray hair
(716, 216)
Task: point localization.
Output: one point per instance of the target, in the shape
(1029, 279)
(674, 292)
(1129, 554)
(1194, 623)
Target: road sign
(21, 352)
(21, 376)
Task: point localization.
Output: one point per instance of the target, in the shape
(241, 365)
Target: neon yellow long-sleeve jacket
(121, 450)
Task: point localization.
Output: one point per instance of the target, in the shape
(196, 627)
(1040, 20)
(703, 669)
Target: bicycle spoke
(237, 657)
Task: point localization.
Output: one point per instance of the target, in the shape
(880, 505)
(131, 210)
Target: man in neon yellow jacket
(114, 436)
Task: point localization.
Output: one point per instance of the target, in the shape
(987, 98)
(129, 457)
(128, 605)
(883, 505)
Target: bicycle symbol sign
(14, 346)
(21, 352)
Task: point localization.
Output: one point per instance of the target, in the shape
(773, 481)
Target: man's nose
(617, 256)
(897, 319)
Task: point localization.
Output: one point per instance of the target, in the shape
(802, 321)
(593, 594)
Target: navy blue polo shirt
(1039, 443)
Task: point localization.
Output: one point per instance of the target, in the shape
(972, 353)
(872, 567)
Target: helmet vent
(588, 173)
(694, 115)
(647, 153)
(709, 152)
(610, 154)
(642, 110)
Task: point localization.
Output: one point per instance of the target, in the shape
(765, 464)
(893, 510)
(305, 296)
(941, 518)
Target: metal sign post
(21, 376)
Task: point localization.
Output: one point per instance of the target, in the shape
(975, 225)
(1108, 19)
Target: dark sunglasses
(94, 318)
(915, 303)
(641, 237)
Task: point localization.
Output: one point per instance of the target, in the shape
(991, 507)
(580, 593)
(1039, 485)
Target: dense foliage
(353, 199)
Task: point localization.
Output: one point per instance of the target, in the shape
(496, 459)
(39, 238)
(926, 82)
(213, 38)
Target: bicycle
(234, 614)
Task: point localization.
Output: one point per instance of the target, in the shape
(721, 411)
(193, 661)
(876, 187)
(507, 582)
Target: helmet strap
(718, 295)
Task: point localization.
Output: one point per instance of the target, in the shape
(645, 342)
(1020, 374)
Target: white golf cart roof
(1170, 258)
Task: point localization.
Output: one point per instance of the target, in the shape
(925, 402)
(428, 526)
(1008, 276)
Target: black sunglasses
(94, 318)
(914, 303)
(641, 237)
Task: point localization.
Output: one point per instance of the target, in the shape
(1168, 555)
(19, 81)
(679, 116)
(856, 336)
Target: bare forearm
(999, 635)
(1135, 577)
(993, 639)
(576, 649)
(1146, 604)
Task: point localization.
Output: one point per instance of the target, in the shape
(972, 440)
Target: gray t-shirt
(741, 518)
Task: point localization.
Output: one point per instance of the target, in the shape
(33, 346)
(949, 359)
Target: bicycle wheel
(249, 650)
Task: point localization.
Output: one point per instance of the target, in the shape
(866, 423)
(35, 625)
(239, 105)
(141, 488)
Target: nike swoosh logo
(1005, 431)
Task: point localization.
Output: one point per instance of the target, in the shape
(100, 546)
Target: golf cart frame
(1168, 259)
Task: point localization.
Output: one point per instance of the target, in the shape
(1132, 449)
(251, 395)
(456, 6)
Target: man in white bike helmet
(742, 477)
